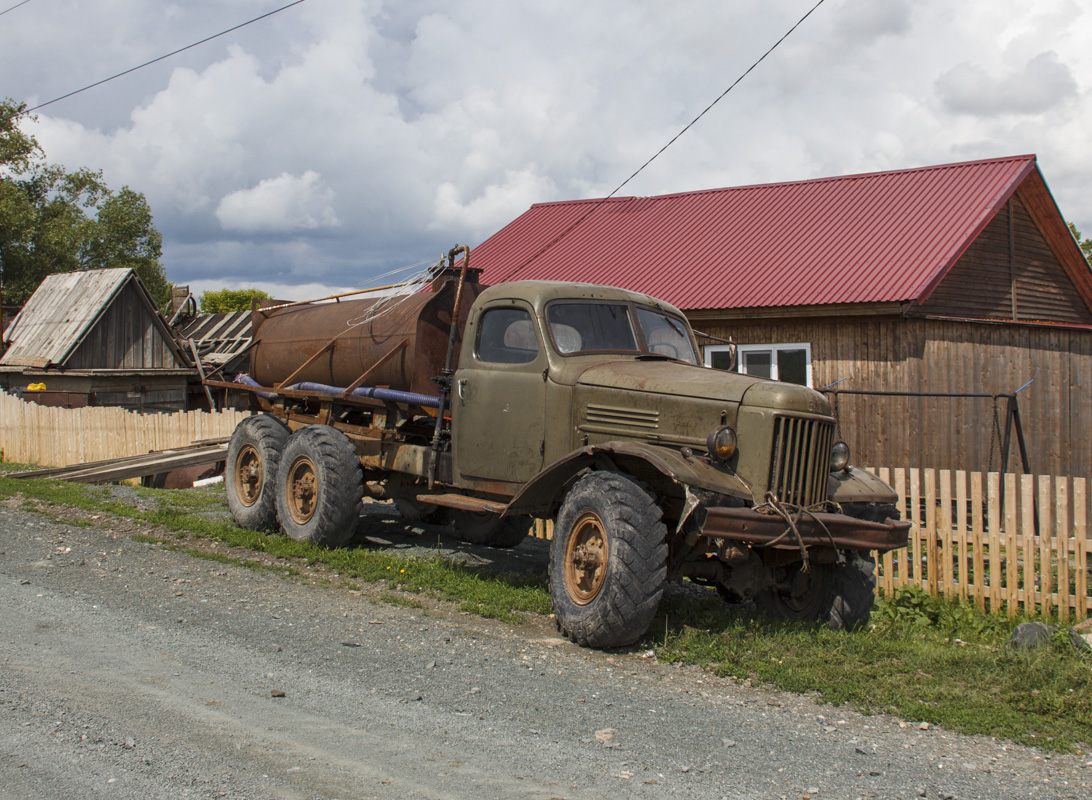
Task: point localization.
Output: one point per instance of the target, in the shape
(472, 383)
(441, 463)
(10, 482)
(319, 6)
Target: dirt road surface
(131, 671)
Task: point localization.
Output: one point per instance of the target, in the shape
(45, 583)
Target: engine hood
(686, 380)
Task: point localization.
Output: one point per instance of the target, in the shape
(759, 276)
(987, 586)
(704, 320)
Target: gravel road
(131, 671)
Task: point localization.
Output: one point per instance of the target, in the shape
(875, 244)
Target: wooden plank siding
(980, 284)
(932, 355)
(124, 337)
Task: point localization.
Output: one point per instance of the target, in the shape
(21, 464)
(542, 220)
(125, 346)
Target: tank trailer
(488, 407)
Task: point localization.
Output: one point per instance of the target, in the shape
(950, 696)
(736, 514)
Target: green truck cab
(585, 405)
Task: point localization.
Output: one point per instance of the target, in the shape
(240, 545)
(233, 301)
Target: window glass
(720, 359)
(792, 366)
(758, 363)
(587, 327)
(665, 336)
(780, 362)
(507, 336)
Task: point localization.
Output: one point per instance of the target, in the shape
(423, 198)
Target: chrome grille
(801, 460)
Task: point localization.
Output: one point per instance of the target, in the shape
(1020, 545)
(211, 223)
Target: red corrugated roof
(877, 237)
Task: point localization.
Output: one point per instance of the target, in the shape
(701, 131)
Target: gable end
(1010, 273)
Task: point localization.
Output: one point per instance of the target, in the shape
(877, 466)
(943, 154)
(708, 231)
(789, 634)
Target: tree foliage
(225, 301)
(1086, 244)
(52, 220)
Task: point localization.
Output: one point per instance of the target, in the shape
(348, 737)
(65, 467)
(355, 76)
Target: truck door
(498, 406)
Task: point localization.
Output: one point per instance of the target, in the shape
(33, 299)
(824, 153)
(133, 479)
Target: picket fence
(1006, 542)
(56, 437)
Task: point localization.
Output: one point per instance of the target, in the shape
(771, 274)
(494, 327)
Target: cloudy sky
(340, 139)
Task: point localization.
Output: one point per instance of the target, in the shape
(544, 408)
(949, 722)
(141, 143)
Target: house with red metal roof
(959, 279)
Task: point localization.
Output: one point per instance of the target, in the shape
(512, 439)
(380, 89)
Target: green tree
(52, 220)
(225, 301)
(1086, 244)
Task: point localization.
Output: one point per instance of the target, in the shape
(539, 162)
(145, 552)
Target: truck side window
(507, 336)
(666, 336)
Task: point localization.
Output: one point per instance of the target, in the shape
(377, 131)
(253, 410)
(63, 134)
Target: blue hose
(393, 395)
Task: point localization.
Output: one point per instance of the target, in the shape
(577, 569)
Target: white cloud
(492, 208)
(339, 139)
(1040, 85)
(284, 204)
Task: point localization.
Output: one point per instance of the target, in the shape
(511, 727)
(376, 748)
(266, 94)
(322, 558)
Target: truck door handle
(459, 385)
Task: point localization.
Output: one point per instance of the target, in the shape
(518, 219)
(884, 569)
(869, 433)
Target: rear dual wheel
(319, 487)
(250, 475)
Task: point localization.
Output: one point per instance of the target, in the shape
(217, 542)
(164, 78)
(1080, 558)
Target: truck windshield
(612, 327)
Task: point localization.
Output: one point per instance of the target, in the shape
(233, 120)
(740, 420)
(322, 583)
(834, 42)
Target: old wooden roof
(66, 307)
(871, 238)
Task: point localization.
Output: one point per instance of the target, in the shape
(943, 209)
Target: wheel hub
(301, 484)
(248, 475)
(586, 559)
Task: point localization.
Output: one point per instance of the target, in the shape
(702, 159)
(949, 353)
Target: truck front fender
(541, 495)
(853, 485)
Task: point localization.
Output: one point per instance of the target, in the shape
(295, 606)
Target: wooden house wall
(124, 337)
(926, 355)
(1010, 252)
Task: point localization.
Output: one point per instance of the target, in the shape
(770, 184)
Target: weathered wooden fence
(57, 437)
(1029, 549)
(1006, 542)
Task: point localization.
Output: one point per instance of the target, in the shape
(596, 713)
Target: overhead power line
(6, 10)
(161, 58)
(659, 152)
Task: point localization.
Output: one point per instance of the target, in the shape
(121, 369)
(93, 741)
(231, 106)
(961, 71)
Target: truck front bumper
(770, 530)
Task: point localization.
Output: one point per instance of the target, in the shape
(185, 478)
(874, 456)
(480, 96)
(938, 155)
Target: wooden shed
(94, 338)
(960, 279)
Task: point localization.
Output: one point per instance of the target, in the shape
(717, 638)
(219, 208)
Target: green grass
(948, 665)
(923, 659)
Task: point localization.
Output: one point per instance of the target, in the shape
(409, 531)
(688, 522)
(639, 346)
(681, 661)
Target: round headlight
(839, 456)
(721, 443)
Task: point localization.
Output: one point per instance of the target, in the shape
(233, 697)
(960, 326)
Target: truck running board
(462, 502)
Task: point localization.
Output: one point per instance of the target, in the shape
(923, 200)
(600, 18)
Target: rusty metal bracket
(444, 379)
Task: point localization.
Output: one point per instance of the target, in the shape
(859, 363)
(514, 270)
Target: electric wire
(659, 152)
(6, 10)
(163, 57)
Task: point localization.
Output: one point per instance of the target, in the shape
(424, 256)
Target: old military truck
(586, 405)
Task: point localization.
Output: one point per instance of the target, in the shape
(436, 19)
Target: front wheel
(608, 561)
(319, 487)
(840, 596)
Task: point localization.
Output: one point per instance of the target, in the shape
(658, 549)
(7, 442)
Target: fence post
(944, 534)
(1027, 525)
(961, 533)
(1081, 544)
(976, 523)
(994, 495)
(1046, 536)
(1061, 534)
(1012, 547)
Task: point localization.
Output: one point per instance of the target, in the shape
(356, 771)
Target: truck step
(462, 502)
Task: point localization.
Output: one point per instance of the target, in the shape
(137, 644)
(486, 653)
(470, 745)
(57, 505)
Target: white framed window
(790, 362)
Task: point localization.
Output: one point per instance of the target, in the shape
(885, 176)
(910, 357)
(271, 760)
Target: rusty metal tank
(352, 336)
